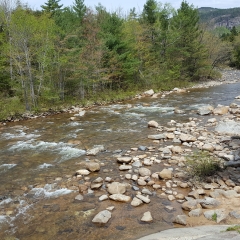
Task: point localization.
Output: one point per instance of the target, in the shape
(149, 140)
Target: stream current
(39, 157)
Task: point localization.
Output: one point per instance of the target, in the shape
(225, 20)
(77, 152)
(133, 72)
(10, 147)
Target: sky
(125, 5)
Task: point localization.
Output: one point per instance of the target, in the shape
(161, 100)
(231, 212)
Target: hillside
(220, 17)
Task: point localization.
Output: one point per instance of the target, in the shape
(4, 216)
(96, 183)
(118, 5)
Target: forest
(57, 57)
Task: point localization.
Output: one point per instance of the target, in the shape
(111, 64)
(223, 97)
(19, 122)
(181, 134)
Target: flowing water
(39, 157)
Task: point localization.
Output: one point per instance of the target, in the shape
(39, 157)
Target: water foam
(8, 166)
(49, 191)
(45, 165)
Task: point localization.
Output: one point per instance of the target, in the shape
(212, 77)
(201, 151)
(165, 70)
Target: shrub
(201, 164)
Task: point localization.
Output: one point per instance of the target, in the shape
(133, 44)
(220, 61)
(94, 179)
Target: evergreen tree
(188, 52)
(52, 6)
(80, 8)
(150, 11)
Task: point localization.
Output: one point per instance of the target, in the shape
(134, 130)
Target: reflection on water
(39, 158)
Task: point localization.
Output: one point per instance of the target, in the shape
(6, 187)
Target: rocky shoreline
(216, 198)
(228, 76)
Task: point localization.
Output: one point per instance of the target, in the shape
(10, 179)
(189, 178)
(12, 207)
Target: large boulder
(229, 127)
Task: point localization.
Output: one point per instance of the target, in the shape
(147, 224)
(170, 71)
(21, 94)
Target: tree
(52, 7)
(150, 11)
(80, 9)
(188, 53)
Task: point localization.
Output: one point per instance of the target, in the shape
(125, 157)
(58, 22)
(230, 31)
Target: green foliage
(202, 164)
(150, 11)
(214, 217)
(234, 228)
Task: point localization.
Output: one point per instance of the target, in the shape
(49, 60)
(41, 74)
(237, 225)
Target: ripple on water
(7, 166)
(66, 151)
(45, 165)
(20, 134)
(50, 191)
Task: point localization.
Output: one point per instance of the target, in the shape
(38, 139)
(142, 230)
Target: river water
(39, 157)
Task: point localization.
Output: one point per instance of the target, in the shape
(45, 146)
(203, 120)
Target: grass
(234, 228)
(214, 217)
(201, 165)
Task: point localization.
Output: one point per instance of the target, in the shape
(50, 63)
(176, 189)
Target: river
(40, 156)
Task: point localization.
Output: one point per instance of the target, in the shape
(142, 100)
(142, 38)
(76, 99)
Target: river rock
(103, 198)
(221, 214)
(83, 172)
(120, 198)
(190, 205)
(141, 182)
(102, 217)
(177, 149)
(143, 198)
(229, 127)
(116, 188)
(205, 110)
(181, 219)
(147, 217)
(144, 172)
(93, 166)
(153, 124)
(124, 159)
(187, 138)
(79, 197)
(220, 110)
(137, 164)
(149, 92)
(136, 202)
(208, 147)
(195, 212)
(209, 203)
(157, 136)
(235, 214)
(125, 167)
(94, 151)
(165, 174)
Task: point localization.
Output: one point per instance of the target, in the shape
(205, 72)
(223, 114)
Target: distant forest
(56, 57)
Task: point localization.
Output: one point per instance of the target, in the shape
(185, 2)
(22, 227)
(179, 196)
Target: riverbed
(39, 158)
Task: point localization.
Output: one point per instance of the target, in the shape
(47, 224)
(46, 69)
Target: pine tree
(52, 6)
(80, 8)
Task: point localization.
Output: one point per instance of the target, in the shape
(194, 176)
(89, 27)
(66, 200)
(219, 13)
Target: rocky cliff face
(220, 17)
(226, 21)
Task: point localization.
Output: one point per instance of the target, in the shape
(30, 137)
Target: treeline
(67, 55)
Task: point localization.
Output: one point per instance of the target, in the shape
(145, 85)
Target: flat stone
(125, 167)
(120, 198)
(116, 188)
(157, 136)
(143, 198)
(235, 214)
(124, 159)
(137, 164)
(177, 149)
(187, 138)
(83, 172)
(102, 217)
(190, 205)
(103, 198)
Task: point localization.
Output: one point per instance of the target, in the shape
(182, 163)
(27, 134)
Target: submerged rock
(102, 217)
